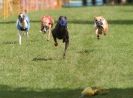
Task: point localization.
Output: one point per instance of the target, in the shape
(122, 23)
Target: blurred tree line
(84, 2)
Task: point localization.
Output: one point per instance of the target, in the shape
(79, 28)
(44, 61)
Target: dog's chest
(100, 31)
(23, 25)
(60, 34)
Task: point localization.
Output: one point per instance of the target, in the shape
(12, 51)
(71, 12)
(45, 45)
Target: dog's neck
(23, 24)
(100, 29)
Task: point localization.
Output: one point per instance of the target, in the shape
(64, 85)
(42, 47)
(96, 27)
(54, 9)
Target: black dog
(61, 32)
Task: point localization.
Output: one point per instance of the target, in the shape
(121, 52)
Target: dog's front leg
(97, 34)
(20, 37)
(55, 40)
(66, 46)
(27, 36)
(54, 37)
(49, 34)
(66, 40)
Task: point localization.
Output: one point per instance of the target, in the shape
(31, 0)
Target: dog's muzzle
(99, 24)
(44, 29)
(21, 19)
(63, 23)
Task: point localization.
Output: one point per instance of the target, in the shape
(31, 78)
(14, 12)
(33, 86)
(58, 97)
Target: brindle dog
(61, 32)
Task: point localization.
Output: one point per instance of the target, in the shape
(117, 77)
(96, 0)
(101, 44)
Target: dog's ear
(95, 17)
(18, 16)
(60, 17)
(65, 17)
(101, 17)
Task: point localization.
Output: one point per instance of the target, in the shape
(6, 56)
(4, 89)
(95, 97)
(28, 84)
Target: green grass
(36, 69)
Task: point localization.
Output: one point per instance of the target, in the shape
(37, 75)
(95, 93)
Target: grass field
(36, 69)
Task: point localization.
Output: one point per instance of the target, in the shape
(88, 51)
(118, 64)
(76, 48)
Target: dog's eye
(95, 20)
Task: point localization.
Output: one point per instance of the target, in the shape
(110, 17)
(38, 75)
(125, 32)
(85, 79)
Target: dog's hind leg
(104, 33)
(20, 37)
(66, 40)
(27, 34)
(49, 34)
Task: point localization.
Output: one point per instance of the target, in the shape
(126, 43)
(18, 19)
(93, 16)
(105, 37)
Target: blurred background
(8, 7)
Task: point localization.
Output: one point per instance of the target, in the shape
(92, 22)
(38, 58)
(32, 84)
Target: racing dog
(101, 26)
(61, 32)
(47, 23)
(23, 24)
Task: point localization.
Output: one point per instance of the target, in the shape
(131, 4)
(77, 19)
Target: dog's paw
(56, 44)
(104, 34)
(64, 56)
(98, 37)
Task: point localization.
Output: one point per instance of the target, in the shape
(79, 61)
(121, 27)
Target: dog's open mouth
(99, 26)
(44, 29)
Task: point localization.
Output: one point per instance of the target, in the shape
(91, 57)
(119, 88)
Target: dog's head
(62, 21)
(99, 21)
(46, 23)
(21, 17)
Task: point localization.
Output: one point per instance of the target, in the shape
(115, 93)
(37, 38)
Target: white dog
(23, 24)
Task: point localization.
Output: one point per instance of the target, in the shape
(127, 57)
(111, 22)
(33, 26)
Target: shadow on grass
(10, 92)
(36, 40)
(16, 42)
(9, 42)
(86, 51)
(118, 22)
(42, 59)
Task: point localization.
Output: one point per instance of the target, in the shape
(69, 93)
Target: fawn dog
(47, 23)
(101, 26)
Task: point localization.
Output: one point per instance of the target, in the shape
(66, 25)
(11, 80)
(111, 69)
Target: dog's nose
(63, 23)
(45, 28)
(99, 23)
